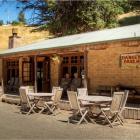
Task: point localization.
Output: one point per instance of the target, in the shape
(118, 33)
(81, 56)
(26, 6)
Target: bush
(1, 22)
(15, 23)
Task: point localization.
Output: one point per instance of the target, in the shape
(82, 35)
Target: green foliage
(70, 17)
(130, 20)
(1, 22)
(15, 23)
(21, 18)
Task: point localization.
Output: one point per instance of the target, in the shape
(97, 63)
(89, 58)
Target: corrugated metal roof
(120, 33)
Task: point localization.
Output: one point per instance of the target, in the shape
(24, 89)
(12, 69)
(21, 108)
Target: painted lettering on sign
(130, 60)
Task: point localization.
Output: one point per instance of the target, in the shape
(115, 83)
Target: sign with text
(130, 60)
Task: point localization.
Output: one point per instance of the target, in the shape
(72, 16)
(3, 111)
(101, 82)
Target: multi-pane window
(72, 64)
(12, 69)
(27, 71)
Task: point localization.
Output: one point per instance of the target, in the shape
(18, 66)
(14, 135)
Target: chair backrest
(11, 82)
(57, 96)
(16, 83)
(23, 96)
(82, 92)
(54, 89)
(31, 89)
(124, 100)
(116, 101)
(72, 96)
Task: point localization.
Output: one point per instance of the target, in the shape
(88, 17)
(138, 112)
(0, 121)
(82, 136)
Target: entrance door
(43, 74)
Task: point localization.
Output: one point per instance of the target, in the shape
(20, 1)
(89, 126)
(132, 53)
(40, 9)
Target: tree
(15, 23)
(1, 22)
(21, 18)
(70, 17)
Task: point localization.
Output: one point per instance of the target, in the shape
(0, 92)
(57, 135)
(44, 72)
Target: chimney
(14, 40)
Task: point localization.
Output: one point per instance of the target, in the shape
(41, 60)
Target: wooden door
(46, 76)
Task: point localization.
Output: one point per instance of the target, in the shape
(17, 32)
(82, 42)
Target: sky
(9, 11)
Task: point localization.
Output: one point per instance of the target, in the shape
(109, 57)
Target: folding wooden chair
(53, 104)
(82, 91)
(123, 106)
(112, 114)
(76, 108)
(9, 87)
(25, 101)
(54, 90)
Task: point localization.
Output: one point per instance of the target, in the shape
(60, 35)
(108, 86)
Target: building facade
(106, 58)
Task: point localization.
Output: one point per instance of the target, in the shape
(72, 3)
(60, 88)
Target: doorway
(43, 74)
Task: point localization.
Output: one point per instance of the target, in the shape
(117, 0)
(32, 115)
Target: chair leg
(31, 109)
(41, 110)
(50, 109)
(107, 119)
(83, 117)
(120, 120)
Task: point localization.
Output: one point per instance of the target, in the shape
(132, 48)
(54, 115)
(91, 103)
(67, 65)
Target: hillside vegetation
(34, 34)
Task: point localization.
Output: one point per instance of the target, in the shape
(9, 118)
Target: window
(27, 71)
(12, 69)
(72, 64)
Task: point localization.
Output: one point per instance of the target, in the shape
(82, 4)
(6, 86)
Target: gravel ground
(14, 125)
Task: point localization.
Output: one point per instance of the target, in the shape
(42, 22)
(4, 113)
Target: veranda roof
(120, 33)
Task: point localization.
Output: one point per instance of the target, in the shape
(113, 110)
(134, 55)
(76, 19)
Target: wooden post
(85, 63)
(85, 80)
(20, 71)
(2, 76)
(35, 70)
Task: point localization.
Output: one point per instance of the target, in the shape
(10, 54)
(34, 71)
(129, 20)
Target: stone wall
(104, 65)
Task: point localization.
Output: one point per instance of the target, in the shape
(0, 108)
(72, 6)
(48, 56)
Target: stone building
(108, 58)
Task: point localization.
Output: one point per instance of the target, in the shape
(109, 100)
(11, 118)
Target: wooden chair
(53, 104)
(9, 87)
(76, 108)
(16, 85)
(25, 101)
(82, 91)
(54, 90)
(111, 114)
(123, 106)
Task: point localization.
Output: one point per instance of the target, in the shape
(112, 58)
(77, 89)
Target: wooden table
(96, 99)
(41, 94)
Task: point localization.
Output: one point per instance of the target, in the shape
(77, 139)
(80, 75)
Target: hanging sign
(130, 60)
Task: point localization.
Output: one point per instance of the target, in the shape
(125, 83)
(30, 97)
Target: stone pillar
(55, 72)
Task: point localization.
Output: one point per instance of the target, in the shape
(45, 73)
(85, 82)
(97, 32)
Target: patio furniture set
(82, 105)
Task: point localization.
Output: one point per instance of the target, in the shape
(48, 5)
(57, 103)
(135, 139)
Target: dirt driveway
(14, 125)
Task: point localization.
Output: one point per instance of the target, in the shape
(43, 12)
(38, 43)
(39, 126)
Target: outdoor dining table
(95, 99)
(41, 94)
